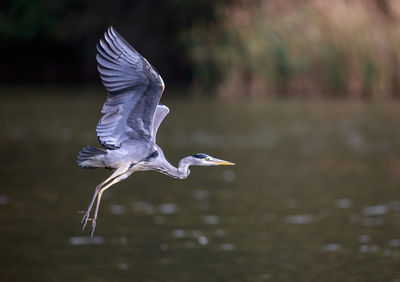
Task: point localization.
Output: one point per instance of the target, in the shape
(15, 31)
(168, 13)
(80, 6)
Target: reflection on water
(394, 243)
(375, 210)
(86, 240)
(299, 218)
(143, 206)
(343, 203)
(170, 208)
(364, 238)
(227, 247)
(179, 233)
(333, 247)
(117, 209)
(211, 219)
(314, 195)
(3, 200)
(228, 175)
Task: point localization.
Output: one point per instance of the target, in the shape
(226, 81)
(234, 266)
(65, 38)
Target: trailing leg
(100, 193)
(120, 171)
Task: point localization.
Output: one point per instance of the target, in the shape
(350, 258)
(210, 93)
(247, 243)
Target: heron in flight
(131, 117)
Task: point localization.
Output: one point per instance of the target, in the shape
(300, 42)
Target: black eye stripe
(200, 156)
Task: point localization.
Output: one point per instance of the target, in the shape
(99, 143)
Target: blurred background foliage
(301, 48)
(54, 41)
(231, 48)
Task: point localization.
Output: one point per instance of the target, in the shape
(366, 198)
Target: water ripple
(211, 219)
(375, 210)
(227, 247)
(299, 219)
(3, 200)
(169, 208)
(117, 209)
(83, 240)
(333, 247)
(144, 206)
(343, 203)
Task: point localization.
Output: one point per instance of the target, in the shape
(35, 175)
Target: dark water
(315, 195)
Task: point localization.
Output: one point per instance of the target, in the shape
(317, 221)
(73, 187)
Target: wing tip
(113, 32)
(109, 32)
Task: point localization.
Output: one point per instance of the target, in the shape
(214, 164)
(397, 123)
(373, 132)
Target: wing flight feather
(134, 87)
(161, 112)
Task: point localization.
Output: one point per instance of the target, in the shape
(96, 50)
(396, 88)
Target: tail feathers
(91, 157)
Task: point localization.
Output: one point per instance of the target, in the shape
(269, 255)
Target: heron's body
(132, 116)
(146, 156)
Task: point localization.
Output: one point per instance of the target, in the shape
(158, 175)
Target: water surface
(315, 195)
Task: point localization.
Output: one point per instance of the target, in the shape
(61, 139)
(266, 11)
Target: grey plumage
(134, 88)
(161, 112)
(131, 117)
(91, 157)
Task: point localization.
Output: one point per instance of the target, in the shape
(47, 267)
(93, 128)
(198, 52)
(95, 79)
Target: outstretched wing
(134, 88)
(161, 112)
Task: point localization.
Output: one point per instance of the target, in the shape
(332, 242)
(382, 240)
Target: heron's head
(206, 160)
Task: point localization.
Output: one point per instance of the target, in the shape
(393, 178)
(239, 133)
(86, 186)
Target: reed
(311, 48)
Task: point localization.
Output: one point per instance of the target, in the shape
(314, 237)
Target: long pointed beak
(221, 162)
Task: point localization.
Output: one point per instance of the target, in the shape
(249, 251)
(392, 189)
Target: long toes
(85, 220)
(85, 216)
(84, 225)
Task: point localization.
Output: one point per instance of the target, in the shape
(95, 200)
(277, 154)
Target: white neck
(181, 172)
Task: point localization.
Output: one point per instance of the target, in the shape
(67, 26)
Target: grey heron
(131, 117)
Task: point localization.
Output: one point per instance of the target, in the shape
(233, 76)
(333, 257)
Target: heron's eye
(207, 159)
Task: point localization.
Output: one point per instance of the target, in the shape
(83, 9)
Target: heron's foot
(85, 219)
(93, 227)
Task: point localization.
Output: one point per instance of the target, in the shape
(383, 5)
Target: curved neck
(183, 166)
(181, 172)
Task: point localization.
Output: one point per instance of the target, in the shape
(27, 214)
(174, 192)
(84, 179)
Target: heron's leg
(87, 213)
(100, 193)
(115, 174)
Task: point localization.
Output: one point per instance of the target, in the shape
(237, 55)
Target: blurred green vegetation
(235, 48)
(301, 49)
(55, 41)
